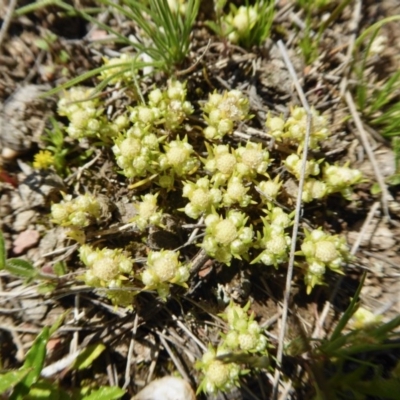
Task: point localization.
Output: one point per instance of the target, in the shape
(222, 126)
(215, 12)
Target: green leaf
(2, 251)
(105, 393)
(34, 362)
(376, 189)
(58, 322)
(381, 388)
(44, 390)
(394, 180)
(46, 287)
(21, 268)
(87, 356)
(11, 378)
(60, 268)
(337, 340)
(42, 44)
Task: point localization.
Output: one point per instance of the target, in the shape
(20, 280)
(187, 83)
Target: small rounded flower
(218, 375)
(247, 341)
(105, 269)
(236, 192)
(245, 19)
(78, 212)
(253, 159)
(85, 115)
(202, 197)
(147, 212)
(326, 251)
(340, 179)
(294, 166)
(270, 189)
(314, 189)
(244, 332)
(227, 238)
(225, 232)
(162, 268)
(226, 163)
(276, 126)
(222, 112)
(322, 251)
(179, 157)
(43, 160)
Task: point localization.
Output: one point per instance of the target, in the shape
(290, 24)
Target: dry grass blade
(363, 136)
(296, 223)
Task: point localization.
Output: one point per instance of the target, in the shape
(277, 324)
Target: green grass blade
(11, 378)
(105, 393)
(349, 312)
(34, 363)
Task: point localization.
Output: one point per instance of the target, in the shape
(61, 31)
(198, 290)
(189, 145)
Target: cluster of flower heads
(223, 111)
(322, 251)
(138, 149)
(275, 239)
(117, 70)
(163, 268)
(293, 130)
(221, 186)
(227, 237)
(85, 115)
(78, 212)
(244, 336)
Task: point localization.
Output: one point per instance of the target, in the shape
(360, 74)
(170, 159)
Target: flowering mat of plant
(208, 190)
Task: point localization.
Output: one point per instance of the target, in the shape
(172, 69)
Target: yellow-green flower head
(275, 242)
(78, 212)
(244, 332)
(314, 189)
(179, 157)
(119, 69)
(245, 19)
(270, 189)
(162, 268)
(253, 159)
(293, 165)
(322, 250)
(202, 197)
(276, 126)
(85, 116)
(137, 152)
(340, 179)
(296, 127)
(236, 193)
(223, 111)
(105, 266)
(218, 375)
(227, 237)
(147, 212)
(278, 218)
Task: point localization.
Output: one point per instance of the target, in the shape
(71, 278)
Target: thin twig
(189, 333)
(7, 21)
(296, 223)
(345, 66)
(362, 135)
(174, 359)
(128, 373)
